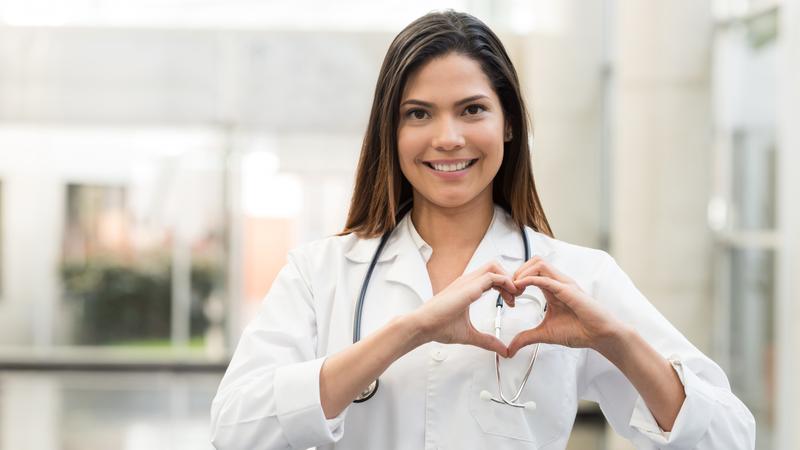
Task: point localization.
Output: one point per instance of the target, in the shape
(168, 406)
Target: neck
(453, 228)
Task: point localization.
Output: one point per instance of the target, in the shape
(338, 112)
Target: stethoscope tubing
(373, 387)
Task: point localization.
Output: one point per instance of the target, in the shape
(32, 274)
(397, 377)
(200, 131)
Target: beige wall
(788, 310)
(661, 160)
(662, 156)
(562, 74)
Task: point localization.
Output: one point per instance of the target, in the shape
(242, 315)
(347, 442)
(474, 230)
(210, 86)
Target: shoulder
(331, 251)
(322, 248)
(588, 266)
(563, 252)
(594, 270)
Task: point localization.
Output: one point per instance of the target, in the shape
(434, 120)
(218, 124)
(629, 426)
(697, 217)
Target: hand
(573, 319)
(445, 317)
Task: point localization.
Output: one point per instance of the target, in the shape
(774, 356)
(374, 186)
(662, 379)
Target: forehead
(450, 77)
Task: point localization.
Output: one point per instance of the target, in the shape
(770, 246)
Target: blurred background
(158, 158)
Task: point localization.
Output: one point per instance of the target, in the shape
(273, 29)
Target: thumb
(489, 342)
(525, 338)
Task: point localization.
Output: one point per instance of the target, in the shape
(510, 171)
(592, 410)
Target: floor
(128, 411)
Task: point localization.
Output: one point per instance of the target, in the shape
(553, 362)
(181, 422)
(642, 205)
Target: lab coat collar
(502, 232)
(502, 242)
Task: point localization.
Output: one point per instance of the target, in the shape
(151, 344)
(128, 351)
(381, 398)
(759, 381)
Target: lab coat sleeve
(269, 397)
(711, 416)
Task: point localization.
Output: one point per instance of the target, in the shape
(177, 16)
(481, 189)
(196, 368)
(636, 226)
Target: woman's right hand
(445, 317)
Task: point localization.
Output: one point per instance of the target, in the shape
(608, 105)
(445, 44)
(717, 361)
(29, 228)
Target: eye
(473, 110)
(416, 114)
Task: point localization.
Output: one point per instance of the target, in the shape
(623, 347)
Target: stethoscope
(485, 395)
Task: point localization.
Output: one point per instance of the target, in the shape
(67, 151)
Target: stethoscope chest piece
(367, 393)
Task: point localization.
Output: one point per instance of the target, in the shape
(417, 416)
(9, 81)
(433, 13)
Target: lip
(448, 161)
(450, 175)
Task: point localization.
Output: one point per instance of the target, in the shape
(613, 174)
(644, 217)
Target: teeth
(450, 167)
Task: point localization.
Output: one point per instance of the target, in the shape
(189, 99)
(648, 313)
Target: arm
(444, 318)
(267, 398)
(277, 393)
(654, 387)
(349, 372)
(650, 374)
(632, 395)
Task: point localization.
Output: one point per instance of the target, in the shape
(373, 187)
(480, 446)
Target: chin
(454, 200)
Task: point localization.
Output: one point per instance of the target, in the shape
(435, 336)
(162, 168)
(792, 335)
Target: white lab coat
(430, 398)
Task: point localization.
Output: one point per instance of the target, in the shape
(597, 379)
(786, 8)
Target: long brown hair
(380, 186)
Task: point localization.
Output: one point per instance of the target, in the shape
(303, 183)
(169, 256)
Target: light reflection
(88, 411)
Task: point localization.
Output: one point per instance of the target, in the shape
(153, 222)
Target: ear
(508, 134)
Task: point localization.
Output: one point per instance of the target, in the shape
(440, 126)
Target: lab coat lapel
(408, 267)
(502, 242)
(507, 239)
(487, 250)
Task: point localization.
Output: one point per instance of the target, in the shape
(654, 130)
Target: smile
(447, 166)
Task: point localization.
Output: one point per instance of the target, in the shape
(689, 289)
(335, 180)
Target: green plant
(116, 301)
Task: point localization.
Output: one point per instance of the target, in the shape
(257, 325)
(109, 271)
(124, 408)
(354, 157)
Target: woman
(448, 134)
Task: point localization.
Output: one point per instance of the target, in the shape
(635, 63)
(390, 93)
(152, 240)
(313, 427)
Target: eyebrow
(430, 105)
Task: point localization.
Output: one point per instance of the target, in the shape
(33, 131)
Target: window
(1, 240)
(742, 213)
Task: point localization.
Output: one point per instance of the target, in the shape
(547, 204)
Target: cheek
(488, 137)
(409, 146)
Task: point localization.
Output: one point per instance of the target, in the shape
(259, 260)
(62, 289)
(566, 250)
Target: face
(450, 134)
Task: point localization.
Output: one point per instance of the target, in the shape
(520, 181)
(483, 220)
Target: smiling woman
(445, 97)
(455, 139)
(445, 230)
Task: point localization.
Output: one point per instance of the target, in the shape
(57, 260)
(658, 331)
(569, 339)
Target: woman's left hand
(573, 318)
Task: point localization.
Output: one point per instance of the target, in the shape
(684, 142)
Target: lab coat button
(439, 355)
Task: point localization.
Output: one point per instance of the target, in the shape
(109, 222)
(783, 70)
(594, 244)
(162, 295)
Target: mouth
(451, 165)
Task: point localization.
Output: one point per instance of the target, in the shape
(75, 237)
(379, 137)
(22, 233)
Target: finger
(489, 342)
(541, 281)
(526, 265)
(525, 338)
(554, 287)
(475, 289)
(496, 268)
(542, 267)
(492, 266)
(507, 297)
(499, 282)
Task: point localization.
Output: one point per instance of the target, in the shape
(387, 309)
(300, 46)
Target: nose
(448, 135)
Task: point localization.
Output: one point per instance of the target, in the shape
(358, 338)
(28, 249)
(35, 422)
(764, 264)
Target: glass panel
(745, 70)
(143, 261)
(752, 334)
(753, 183)
(1, 241)
(293, 190)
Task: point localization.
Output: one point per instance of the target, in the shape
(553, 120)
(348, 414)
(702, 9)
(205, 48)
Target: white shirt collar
(424, 248)
(506, 240)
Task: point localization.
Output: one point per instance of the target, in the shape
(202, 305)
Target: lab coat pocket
(545, 385)
(541, 425)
